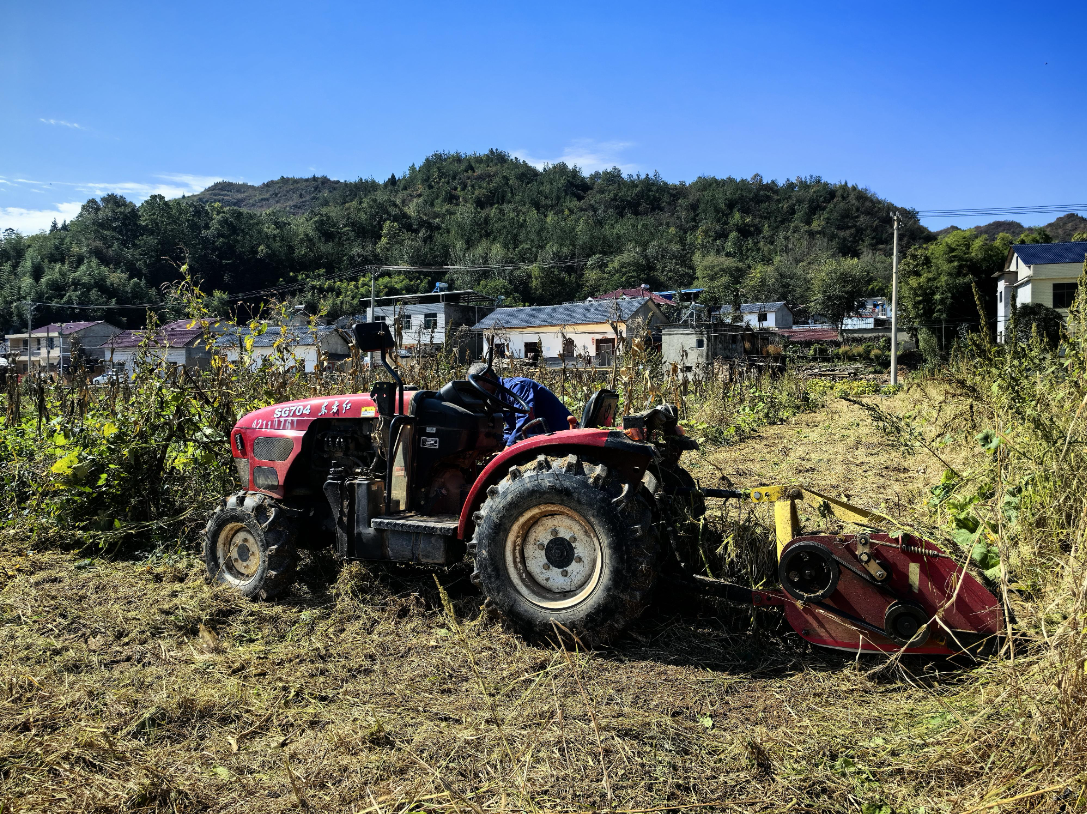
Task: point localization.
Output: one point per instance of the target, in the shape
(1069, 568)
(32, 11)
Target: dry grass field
(132, 685)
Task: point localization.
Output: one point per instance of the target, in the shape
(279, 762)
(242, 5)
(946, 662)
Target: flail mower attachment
(868, 592)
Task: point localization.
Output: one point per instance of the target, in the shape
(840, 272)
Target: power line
(377, 269)
(1046, 209)
(140, 306)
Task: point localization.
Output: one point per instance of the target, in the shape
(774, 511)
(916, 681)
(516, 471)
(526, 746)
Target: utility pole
(373, 283)
(894, 308)
(29, 317)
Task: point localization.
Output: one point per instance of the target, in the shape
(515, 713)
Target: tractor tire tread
(278, 531)
(632, 521)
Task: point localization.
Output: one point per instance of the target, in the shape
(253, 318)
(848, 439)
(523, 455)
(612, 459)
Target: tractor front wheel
(568, 543)
(249, 545)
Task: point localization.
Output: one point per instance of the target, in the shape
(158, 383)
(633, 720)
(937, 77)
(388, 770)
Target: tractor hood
(297, 415)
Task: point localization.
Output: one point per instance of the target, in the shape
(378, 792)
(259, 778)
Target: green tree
(1035, 236)
(721, 280)
(1041, 319)
(837, 286)
(937, 280)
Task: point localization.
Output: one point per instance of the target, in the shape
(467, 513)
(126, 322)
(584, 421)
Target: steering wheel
(510, 401)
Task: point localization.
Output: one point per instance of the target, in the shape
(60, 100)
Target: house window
(379, 318)
(568, 347)
(700, 342)
(404, 323)
(1000, 295)
(762, 316)
(532, 350)
(500, 350)
(430, 321)
(1063, 294)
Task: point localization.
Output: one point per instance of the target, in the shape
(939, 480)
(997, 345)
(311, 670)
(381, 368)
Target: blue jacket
(544, 404)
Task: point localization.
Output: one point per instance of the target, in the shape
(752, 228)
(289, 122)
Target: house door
(532, 351)
(568, 348)
(605, 351)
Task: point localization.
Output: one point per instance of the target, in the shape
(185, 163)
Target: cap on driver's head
(481, 369)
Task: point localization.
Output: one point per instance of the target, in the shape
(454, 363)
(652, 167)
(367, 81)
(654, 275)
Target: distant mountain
(294, 196)
(1061, 230)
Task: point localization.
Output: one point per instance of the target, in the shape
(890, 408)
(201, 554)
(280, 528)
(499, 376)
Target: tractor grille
(269, 448)
(264, 477)
(242, 465)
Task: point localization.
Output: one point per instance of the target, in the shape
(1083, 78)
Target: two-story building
(1047, 273)
(54, 346)
(422, 322)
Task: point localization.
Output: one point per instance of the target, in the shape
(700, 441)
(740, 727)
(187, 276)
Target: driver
(541, 401)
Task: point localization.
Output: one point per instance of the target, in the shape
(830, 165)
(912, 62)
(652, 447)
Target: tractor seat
(600, 409)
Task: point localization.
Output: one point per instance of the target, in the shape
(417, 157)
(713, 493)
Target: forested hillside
(541, 236)
(294, 196)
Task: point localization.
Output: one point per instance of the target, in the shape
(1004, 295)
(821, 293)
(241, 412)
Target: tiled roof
(756, 307)
(634, 293)
(294, 336)
(571, 313)
(813, 335)
(1034, 254)
(168, 336)
(64, 328)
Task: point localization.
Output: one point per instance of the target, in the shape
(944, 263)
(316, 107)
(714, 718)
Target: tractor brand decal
(334, 409)
(429, 443)
(283, 412)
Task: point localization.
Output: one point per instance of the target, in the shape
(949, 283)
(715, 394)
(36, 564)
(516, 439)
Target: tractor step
(444, 525)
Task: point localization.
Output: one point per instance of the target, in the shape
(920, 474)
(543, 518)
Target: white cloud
(171, 185)
(62, 123)
(29, 221)
(586, 154)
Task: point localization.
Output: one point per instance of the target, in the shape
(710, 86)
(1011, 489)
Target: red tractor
(570, 527)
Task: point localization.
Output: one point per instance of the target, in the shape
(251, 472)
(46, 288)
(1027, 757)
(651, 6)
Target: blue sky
(930, 105)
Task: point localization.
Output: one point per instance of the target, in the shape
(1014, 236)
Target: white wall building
(422, 321)
(1047, 273)
(571, 330)
(53, 345)
(766, 315)
(288, 346)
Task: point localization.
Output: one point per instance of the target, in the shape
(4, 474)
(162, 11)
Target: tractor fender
(611, 447)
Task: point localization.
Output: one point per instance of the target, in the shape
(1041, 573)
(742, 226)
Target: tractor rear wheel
(564, 542)
(249, 544)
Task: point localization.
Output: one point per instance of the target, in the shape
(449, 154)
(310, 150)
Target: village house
(692, 347)
(871, 313)
(424, 321)
(174, 343)
(295, 344)
(766, 315)
(1047, 273)
(634, 294)
(580, 329)
(53, 346)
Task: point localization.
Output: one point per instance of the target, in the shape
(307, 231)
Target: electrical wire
(373, 270)
(1045, 209)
